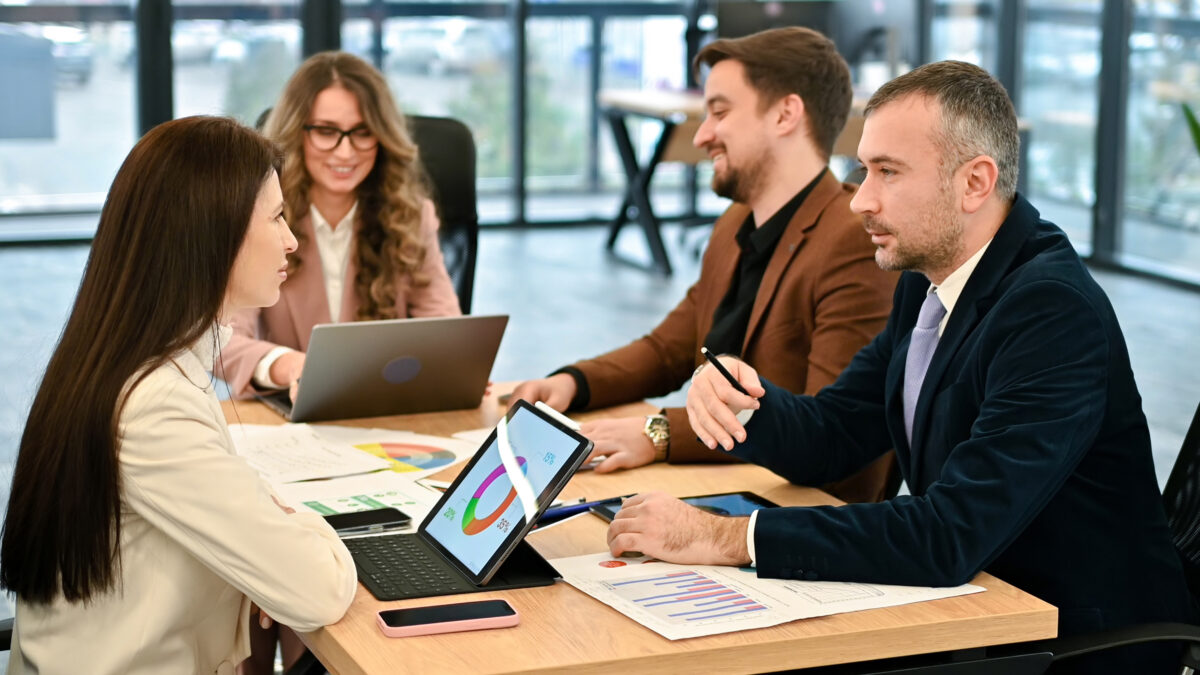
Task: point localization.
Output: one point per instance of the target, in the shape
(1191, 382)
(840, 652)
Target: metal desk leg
(637, 191)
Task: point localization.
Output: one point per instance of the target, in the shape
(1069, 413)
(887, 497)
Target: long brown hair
(155, 281)
(388, 246)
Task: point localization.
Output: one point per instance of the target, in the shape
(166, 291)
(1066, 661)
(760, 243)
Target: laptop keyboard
(398, 566)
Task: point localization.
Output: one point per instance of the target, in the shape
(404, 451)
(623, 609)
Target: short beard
(740, 185)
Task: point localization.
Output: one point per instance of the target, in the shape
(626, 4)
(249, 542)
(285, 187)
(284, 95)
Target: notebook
(393, 367)
(473, 539)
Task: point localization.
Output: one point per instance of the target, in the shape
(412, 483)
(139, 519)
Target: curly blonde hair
(388, 245)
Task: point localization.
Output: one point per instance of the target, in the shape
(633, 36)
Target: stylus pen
(561, 512)
(721, 369)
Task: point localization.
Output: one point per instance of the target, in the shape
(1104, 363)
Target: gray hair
(977, 116)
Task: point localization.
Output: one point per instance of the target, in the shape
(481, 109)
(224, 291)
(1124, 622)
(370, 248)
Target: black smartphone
(447, 618)
(366, 522)
(724, 504)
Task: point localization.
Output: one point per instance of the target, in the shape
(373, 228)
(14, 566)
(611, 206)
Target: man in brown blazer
(788, 282)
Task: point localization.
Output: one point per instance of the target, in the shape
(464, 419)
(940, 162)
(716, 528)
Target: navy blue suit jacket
(1030, 456)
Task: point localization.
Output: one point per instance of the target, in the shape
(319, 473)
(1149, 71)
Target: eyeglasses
(326, 138)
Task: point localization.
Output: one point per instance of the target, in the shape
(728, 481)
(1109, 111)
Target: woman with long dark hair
(358, 202)
(135, 539)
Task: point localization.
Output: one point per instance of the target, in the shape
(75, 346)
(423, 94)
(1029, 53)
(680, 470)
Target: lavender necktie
(920, 353)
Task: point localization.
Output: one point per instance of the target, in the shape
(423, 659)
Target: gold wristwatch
(658, 430)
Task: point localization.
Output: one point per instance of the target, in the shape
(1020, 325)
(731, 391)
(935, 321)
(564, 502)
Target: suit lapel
(789, 244)
(971, 306)
(305, 291)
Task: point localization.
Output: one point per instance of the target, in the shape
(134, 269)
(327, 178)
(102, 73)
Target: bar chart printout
(687, 601)
(687, 597)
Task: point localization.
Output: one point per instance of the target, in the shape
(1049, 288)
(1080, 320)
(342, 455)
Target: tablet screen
(483, 515)
(724, 504)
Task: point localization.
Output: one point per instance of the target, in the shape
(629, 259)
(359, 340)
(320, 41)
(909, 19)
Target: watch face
(657, 428)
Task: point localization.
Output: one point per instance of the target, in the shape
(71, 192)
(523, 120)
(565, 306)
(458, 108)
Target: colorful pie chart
(473, 524)
(407, 457)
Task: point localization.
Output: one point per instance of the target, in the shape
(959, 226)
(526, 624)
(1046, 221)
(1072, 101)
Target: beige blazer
(303, 304)
(201, 538)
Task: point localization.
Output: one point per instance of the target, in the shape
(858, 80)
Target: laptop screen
(486, 511)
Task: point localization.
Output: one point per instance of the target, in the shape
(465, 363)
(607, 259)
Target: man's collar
(952, 286)
(763, 237)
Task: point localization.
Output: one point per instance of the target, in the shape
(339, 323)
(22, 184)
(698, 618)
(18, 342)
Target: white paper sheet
(359, 493)
(413, 455)
(475, 437)
(685, 601)
(290, 452)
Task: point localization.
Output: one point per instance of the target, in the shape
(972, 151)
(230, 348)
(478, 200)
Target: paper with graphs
(686, 601)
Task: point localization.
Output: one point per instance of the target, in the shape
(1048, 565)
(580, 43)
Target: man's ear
(789, 115)
(980, 175)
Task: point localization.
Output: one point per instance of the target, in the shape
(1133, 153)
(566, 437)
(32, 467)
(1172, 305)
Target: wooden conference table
(564, 630)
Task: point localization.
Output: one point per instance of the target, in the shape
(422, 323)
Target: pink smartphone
(447, 618)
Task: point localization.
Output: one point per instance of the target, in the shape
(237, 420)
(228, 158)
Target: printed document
(283, 453)
(686, 601)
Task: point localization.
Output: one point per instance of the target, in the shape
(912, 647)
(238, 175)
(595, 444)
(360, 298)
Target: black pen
(559, 512)
(721, 369)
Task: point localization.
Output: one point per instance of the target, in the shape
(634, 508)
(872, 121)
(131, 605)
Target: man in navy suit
(1024, 444)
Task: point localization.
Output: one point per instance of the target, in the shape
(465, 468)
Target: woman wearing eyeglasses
(358, 204)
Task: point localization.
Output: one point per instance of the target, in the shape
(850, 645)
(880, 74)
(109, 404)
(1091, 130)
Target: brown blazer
(822, 298)
(303, 303)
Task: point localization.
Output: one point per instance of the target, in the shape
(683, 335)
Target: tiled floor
(568, 299)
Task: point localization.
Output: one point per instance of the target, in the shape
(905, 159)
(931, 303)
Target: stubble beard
(931, 252)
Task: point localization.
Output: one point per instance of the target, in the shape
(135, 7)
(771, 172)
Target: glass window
(641, 53)
(233, 63)
(965, 31)
(63, 138)
(1059, 102)
(1162, 175)
(558, 109)
(456, 67)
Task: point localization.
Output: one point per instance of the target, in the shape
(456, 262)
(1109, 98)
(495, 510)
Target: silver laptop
(395, 367)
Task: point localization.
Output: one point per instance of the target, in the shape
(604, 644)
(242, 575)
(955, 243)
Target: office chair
(1181, 499)
(447, 151)
(448, 154)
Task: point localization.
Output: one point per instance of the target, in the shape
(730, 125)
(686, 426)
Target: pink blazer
(303, 303)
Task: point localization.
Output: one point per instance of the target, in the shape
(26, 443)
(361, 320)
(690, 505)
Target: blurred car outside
(439, 47)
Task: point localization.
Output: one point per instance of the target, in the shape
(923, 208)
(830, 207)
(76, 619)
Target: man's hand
(557, 391)
(663, 527)
(712, 402)
(622, 440)
(286, 370)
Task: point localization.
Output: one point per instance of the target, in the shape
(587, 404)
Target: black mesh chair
(448, 153)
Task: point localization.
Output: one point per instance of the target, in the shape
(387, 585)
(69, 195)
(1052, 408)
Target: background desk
(563, 630)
